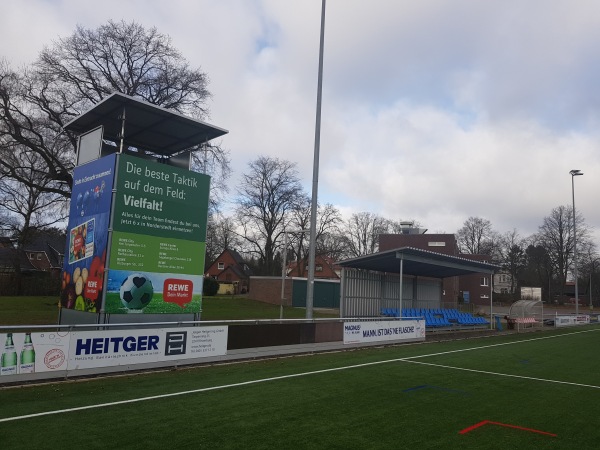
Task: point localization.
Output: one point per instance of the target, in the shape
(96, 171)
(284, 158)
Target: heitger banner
(388, 330)
(27, 353)
(112, 348)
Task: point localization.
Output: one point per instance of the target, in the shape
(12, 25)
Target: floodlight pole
(575, 173)
(283, 274)
(593, 265)
(315, 182)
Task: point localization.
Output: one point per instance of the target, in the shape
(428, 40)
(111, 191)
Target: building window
(484, 296)
(318, 268)
(484, 281)
(31, 256)
(221, 266)
(436, 244)
(39, 256)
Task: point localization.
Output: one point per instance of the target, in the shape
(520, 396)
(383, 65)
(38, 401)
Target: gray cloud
(436, 110)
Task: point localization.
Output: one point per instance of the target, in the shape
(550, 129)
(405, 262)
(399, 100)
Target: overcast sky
(433, 110)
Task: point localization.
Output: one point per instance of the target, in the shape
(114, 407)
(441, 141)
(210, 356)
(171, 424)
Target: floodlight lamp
(576, 172)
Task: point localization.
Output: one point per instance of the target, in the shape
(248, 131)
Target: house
(34, 269)
(325, 268)
(503, 283)
(229, 267)
(10, 256)
(43, 253)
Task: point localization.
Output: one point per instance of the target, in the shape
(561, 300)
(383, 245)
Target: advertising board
(92, 349)
(87, 238)
(33, 352)
(25, 353)
(568, 321)
(159, 239)
(386, 330)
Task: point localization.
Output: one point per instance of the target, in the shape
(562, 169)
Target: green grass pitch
(531, 391)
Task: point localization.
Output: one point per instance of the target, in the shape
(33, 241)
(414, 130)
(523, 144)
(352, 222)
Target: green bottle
(27, 356)
(8, 365)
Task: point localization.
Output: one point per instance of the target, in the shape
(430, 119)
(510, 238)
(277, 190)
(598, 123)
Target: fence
(366, 293)
(29, 284)
(80, 350)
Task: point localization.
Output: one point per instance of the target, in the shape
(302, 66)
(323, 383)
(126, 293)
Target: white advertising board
(91, 349)
(568, 321)
(385, 330)
(56, 351)
(45, 352)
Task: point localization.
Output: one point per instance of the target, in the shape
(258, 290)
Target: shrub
(210, 286)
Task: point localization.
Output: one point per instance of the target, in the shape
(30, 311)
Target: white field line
(302, 374)
(503, 374)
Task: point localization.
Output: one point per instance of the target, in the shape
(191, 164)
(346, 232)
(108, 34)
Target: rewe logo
(178, 291)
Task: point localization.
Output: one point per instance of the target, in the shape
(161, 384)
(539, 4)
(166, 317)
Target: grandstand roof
(418, 262)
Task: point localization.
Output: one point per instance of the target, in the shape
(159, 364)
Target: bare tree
(539, 270)
(214, 160)
(555, 235)
(27, 209)
(512, 256)
(31, 208)
(361, 232)
(268, 193)
(220, 235)
(328, 221)
(78, 71)
(477, 237)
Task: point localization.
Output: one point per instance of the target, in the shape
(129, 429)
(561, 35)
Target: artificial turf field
(525, 391)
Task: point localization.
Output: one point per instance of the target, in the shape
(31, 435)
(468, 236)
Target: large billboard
(87, 235)
(159, 238)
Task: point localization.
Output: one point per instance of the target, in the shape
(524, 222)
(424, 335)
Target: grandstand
(438, 317)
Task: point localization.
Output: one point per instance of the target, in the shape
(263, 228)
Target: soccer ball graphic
(136, 291)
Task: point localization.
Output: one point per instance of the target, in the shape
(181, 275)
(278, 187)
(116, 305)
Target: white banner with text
(568, 321)
(383, 330)
(55, 351)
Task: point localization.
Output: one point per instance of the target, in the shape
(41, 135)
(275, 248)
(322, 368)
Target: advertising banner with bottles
(158, 242)
(24, 353)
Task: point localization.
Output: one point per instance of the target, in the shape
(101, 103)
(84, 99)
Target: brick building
(473, 288)
(230, 267)
(325, 268)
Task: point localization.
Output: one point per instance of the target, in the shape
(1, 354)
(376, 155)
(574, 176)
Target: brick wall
(268, 290)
